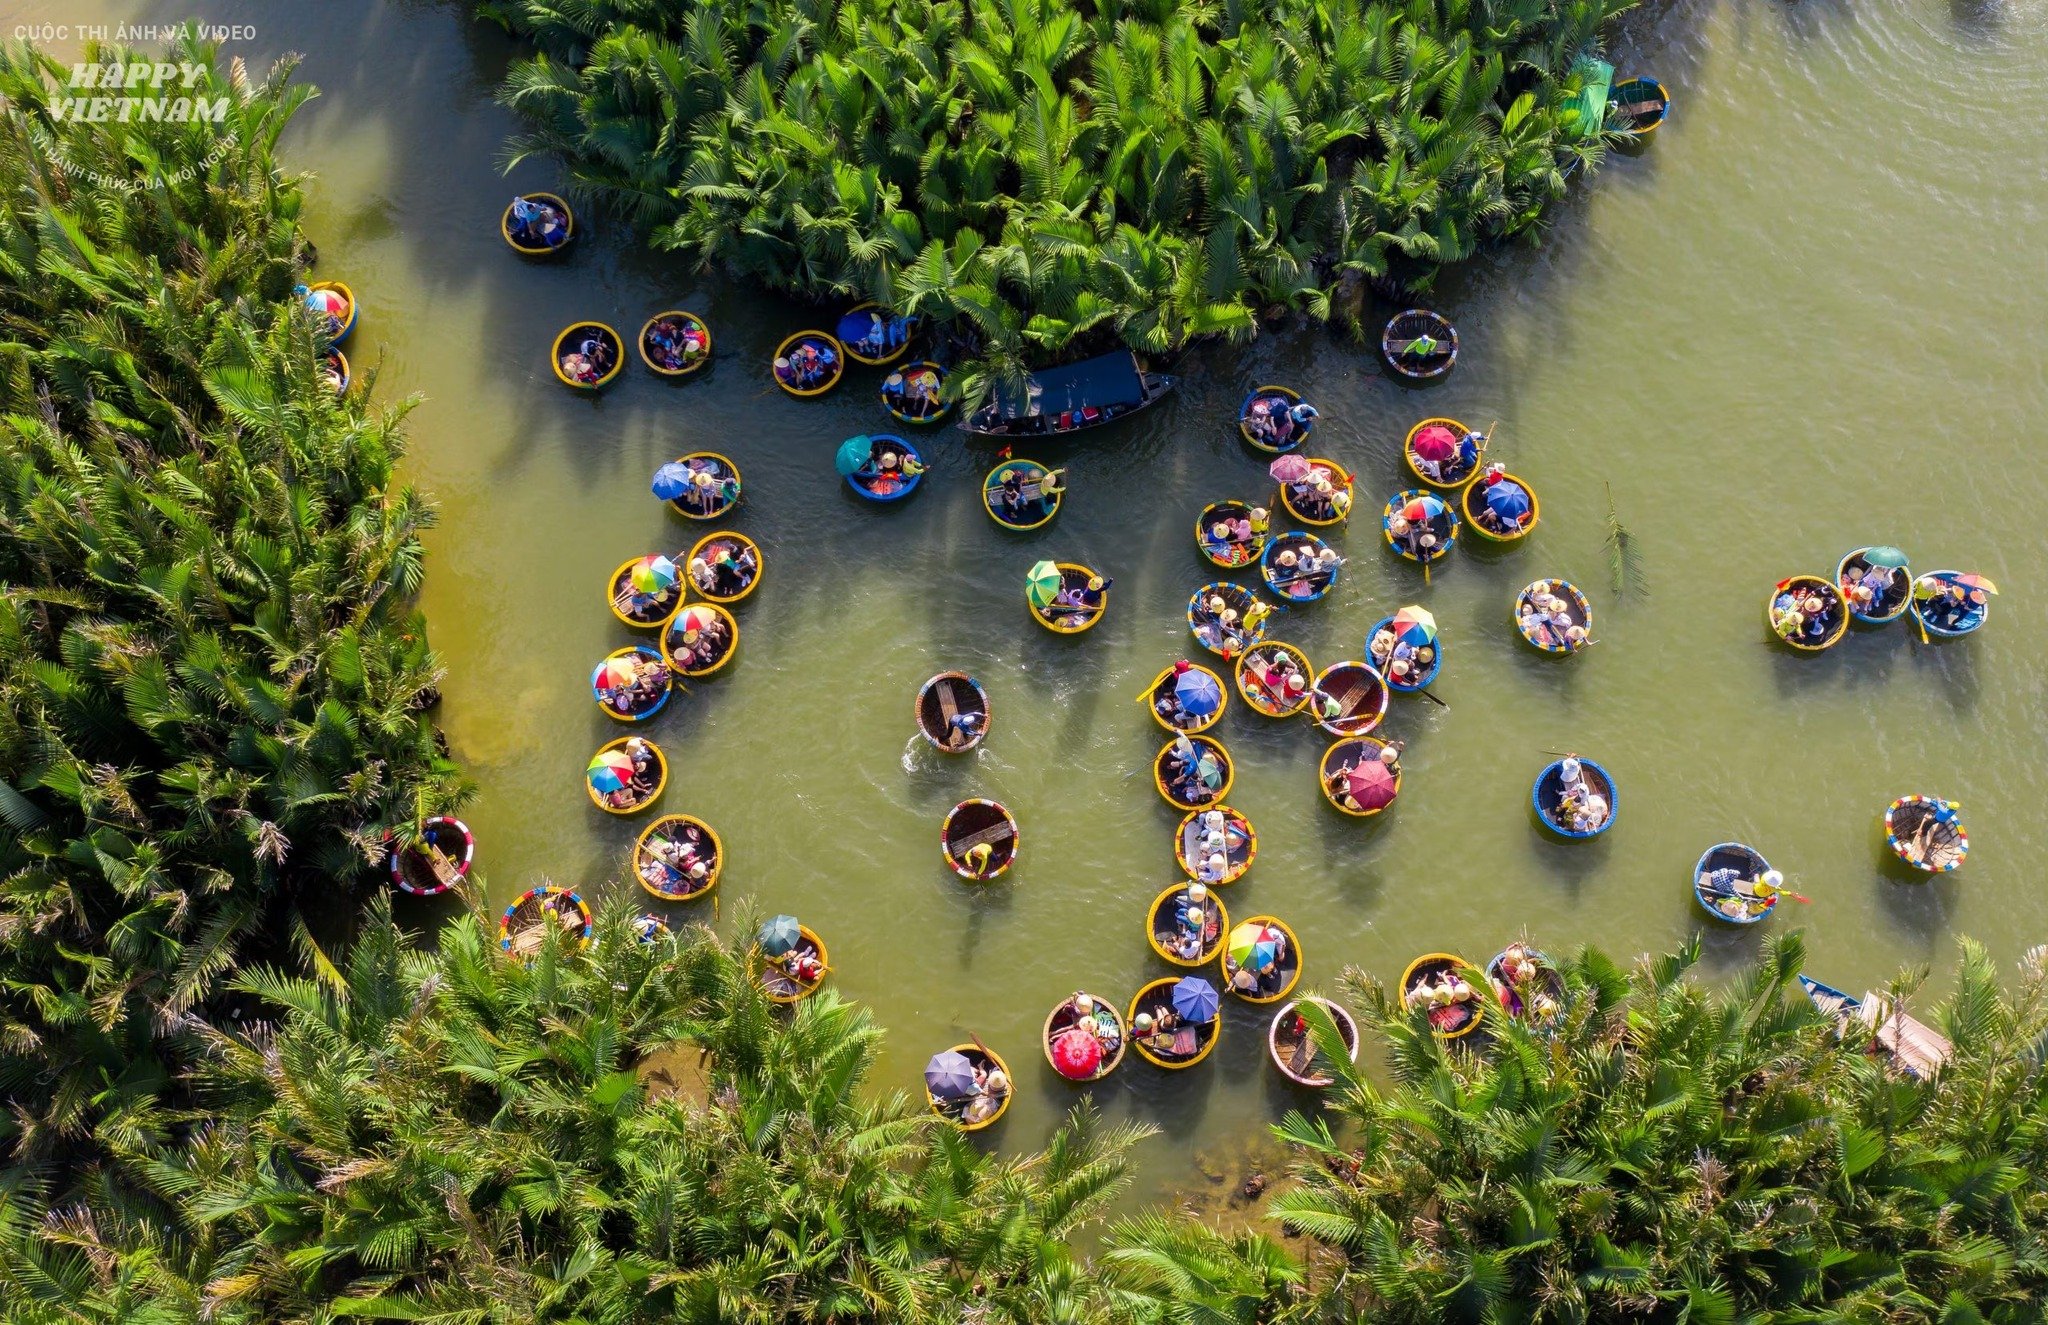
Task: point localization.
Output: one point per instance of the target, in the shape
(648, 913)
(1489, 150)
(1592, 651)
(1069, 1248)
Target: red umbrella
(1076, 1054)
(1436, 442)
(1419, 509)
(1372, 786)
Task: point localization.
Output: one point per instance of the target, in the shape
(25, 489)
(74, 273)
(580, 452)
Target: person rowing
(1739, 897)
(537, 223)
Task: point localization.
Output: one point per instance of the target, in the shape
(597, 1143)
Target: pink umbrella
(1289, 469)
(1076, 1054)
(1372, 786)
(1436, 442)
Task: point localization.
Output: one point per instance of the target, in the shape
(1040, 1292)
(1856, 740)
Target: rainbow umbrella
(693, 619)
(1289, 469)
(1255, 946)
(1884, 556)
(1372, 786)
(614, 671)
(1076, 1054)
(1414, 625)
(1436, 442)
(1042, 584)
(653, 574)
(328, 302)
(610, 770)
(1421, 508)
(1198, 693)
(778, 935)
(1196, 1000)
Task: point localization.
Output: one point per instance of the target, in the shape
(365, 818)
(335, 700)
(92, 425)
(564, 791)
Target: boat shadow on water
(983, 902)
(1918, 906)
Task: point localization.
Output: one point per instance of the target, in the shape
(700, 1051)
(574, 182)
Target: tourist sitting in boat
(1218, 836)
(1274, 422)
(1546, 619)
(644, 607)
(679, 864)
(640, 689)
(882, 335)
(1014, 506)
(889, 468)
(1524, 986)
(701, 645)
(334, 368)
(1949, 605)
(807, 366)
(1235, 540)
(1317, 498)
(801, 965)
(1937, 840)
(1397, 658)
(1417, 538)
(537, 223)
(1580, 808)
(1083, 1013)
(1304, 572)
(675, 343)
(1083, 598)
(914, 395)
(1488, 510)
(1449, 997)
(1338, 777)
(1741, 898)
(1803, 615)
(726, 572)
(1184, 774)
(991, 1088)
(1279, 676)
(646, 777)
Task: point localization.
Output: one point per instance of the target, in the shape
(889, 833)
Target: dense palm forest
(1041, 170)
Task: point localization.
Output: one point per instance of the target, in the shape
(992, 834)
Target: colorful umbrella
(778, 935)
(1076, 1054)
(695, 617)
(1971, 580)
(1436, 442)
(610, 770)
(653, 574)
(1414, 625)
(615, 671)
(1198, 693)
(1884, 556)
(1372, 786)
(672, 480)
(949, 1075)
(1419, 509)
(853, 453)
(1507, 500)
(1255, 946)
(329, 302)
(1042, 583)
(1196, 1000)
(1289, 469)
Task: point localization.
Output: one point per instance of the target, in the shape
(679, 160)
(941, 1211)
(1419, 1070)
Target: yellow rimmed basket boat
(1207, 748)
(601, 678)
(619, 594)
(1272, 984)
(1339, 760)
(539, 913)
(1197, 1037)
(1240, 846)
(1342, 490)
(917, 394)
(1274, 398)
(977, 823)
(710, 500)
(1065, 1018)
(699, 640)
(809, 363)
(543, 250)
(986, 1060)
(778, 984)
(1454, 472)
(1227, 552)
(1074, 578)
(1361, 697)
(1261, 684)
(874, 335)
(1474, 504)
(1162, 923)
(348, 299)
(337, 371)
(669, 850)
(1467, 1015)
(943, 698)
(1834, 613)
(1640, 104)
(679, 322)
(595, 333)
(1163, 686)
(1293, 1049)
(660, 782)
(746, 560)
(1036, 505)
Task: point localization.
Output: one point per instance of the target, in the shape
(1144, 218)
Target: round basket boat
(917, 394)
(1423, 515)
(1419, 344)
(1016, 496)
(643, 611)
(1274, 677)
(1275, 982)
(337, 371)
(539, 913)
(1931, 594)
(678, 858)
(1283, 567)
(1553, 630)
(1187, 791)
(1746, 863)
(1183, 1043)
(1926, 832)
(1065, 1018)
(1266, 422)
(873, 335)
(1811, 631)
(958, 1111)
(732, 566)
(978, 823)
(1547, 797)
(1165, 932)
(1458, 468)
(628, 799)
(714, 486)
(1229, 551)
(809, 363)
(1460, 1018)
(892, 472)
(1638, 106)
(618, 691)
(1537, 999)
(1223, 631)
(1074, 581)
(1162, 699)
(776, 980)
(942, 699)
(1193, 848)
(1339, 760)
(319, 299)
(547, 243)
(700, 640)
(1360, 693)
(1423, 664)
(1306, 503)
(1293, 1049)
(436, 860)
(599, 352)
(1891, 588)
(675, 343)
(1482, 501)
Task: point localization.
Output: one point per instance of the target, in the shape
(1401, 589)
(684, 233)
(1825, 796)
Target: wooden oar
(1425, 693)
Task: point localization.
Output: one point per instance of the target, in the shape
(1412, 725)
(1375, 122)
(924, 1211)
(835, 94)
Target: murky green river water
(1810, 317)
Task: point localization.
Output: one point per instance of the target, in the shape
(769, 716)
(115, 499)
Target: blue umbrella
(1196, 1000)
(779, 935)
(949, 1075)
(672, 480)
(1198, 693)
(853, 453)
(1507, 500)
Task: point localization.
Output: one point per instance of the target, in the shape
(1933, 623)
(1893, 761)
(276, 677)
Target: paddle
(1425, 693)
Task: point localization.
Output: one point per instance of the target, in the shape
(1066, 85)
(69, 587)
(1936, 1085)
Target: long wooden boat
(874, 335)
(1307, 503)
(1907, 1043)
(1459, 1018)
(888, 482)
(777, 983)
(1478, 514)
(715, 486)
(1424, 663)
(1419, 344)
(1926, 832)
(338, 326)
(1274, 677)
(1240, 845)
(708, 561)
(610, 359)
(1256, 420)
(603, 801)
(1784, 610)
(1228, 550)
(1163, 928)
(945, 697)
(1067, 1017)
(1282, 567)
(436, 860)
(1071, 398)
(539, 914)
(1890, 600)
(1360, 695)
(1035, 503)
(638, 610)
(1272, 984)
(1233, 627)
(521, 244)
(1161, 691)
(641, 657)
(1189, 1042)
(985, 1060)
(1970, 620)
(1713, 896)
(699, 640)
(1075, 580)
(1538, 997)
(1205, 796)
(1640, 104)
(917, 394)
(977, 823)
(1407, 543)
(337, 370)
(1541, 628)
(692, 337)
(1452, 474)
(1547, 798)
(1338, 760)
(809, 363)
(678, 858)
(1293, 1048)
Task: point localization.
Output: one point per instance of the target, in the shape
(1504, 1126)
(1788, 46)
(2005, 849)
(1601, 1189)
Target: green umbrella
(1042, 583)
(1884, 556)
(853, 453)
